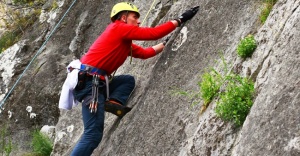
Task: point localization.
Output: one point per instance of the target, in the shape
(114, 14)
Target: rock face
(160, 122)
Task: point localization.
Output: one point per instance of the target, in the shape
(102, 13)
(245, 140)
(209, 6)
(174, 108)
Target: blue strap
(92, 70)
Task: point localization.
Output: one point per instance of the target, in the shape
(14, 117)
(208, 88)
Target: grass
(8, 39)
(266, 10)
(22, 2)
(235, 102)
(16, 29)
(41, 144)
(6, 145)
(16, 23)
(190, 94)
(246, 46)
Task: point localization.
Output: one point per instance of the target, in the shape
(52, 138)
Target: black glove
(188, 14)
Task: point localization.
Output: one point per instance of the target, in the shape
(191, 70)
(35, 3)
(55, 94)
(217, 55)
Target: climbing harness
(37, 53)
(97, 82)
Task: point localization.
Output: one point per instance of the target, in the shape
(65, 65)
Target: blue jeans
(120, 89)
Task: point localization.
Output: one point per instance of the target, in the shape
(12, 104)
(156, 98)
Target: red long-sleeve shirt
(112, 47)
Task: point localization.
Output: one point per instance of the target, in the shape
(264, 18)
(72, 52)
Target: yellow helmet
(123, 6)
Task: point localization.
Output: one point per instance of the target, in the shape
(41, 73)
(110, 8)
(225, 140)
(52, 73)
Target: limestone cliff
(161, 123)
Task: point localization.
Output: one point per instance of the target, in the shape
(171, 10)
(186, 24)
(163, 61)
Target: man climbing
(106, 55)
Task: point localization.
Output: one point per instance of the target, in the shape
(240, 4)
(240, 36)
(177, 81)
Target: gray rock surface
(161, 123)
(272, 127)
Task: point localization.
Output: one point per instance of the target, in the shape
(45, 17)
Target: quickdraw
(95, 92)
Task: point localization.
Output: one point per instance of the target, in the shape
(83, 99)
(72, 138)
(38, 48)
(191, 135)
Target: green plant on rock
(246, 46)
(234, 94)
(54, 5)
(209, 87)
(235, 102)
(41, 143)
(268, 5)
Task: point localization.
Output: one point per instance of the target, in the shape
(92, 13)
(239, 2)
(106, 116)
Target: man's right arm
(132, 32)
(137, 33)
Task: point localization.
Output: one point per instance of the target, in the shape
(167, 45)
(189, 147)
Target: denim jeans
(120, 89)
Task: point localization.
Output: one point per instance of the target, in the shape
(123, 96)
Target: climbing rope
(37, 53)
(148, 12)
(142, 25)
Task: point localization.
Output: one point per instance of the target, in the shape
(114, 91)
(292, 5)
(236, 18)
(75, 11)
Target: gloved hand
(188, 14)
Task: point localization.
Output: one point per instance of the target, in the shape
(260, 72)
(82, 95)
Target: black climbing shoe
(116, 108)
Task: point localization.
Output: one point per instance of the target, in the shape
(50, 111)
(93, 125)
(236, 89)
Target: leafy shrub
(266, 10)
(246, 46)
(42, 145)
(235, 103)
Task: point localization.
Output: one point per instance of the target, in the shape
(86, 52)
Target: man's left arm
(144, 53)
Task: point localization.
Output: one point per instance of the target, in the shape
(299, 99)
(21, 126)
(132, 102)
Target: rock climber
(109, 51)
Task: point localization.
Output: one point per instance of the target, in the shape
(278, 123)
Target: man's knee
(96, 141)
(129, 79)
(94, 134)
